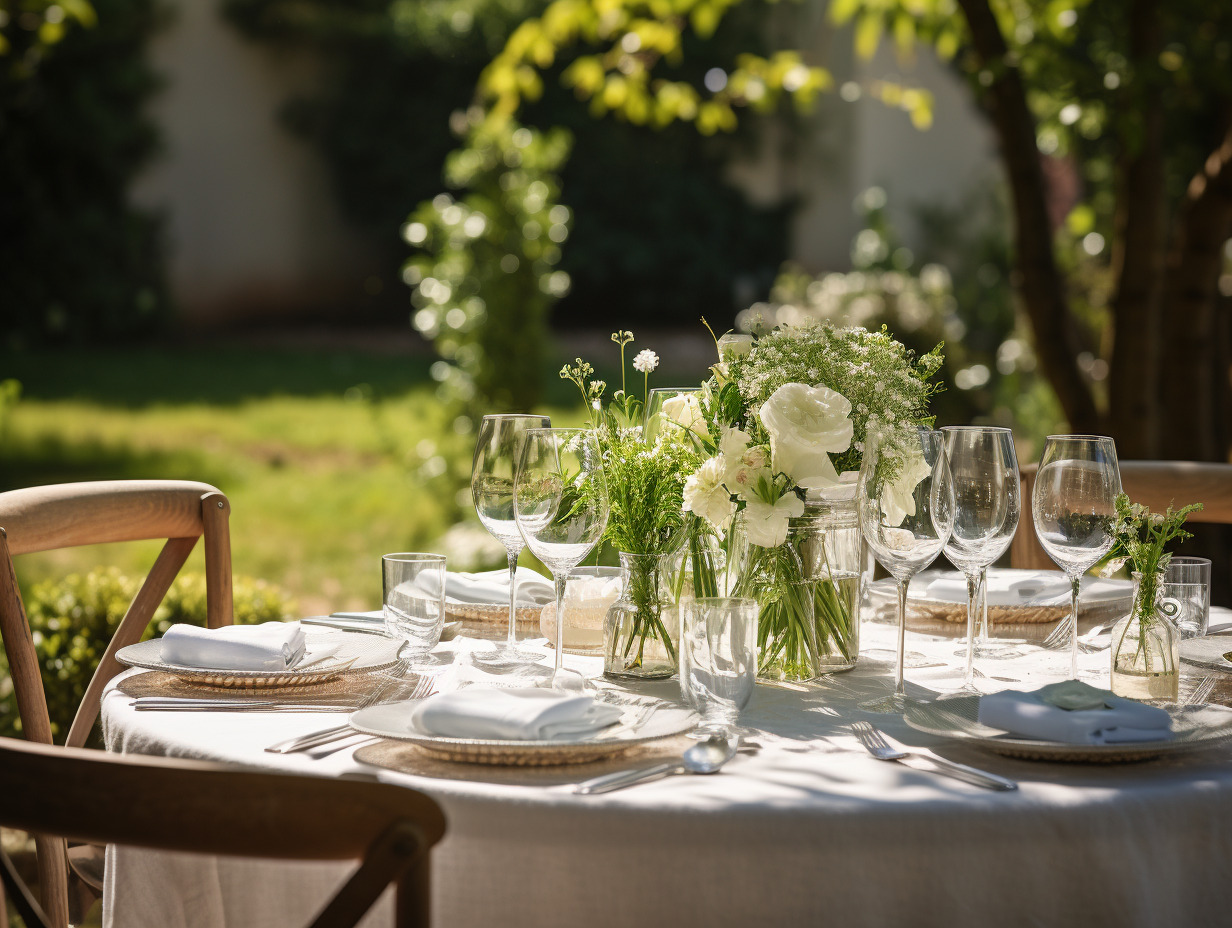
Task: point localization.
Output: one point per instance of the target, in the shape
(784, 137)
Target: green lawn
(329, 458)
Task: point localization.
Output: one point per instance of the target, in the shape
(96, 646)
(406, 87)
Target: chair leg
(414, 895)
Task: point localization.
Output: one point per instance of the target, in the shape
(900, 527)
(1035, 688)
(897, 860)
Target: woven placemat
(491, 613)
(347, 690)
(406, 758)
(999, 615)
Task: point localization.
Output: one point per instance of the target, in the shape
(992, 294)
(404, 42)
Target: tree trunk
(1189, 376)
(1041, 285)
(1139, 247)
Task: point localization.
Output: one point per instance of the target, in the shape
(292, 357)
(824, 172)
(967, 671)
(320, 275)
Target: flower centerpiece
(1145, 644)
(647, 524)
(787, 415)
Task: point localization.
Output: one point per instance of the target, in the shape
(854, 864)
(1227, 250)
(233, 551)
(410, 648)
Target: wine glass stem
(973, 587)
(1075, 583)
(900, 685)
(560, 579)
(984, 630)
(511, 642)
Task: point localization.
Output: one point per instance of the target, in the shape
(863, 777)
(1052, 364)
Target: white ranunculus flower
(685, 411)
(706, 496)
(807, 425)
(898, 499)
(766, 523)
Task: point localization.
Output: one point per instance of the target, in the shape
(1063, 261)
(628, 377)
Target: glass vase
(642, 629)
(808, 590)
(1145, 646)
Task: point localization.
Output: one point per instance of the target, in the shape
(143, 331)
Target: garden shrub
(72, 619)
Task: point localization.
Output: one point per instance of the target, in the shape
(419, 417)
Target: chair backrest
(208, 808)
(1155, 484)
(66, 515)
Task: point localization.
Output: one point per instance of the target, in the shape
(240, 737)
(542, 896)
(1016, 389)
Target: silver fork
(347, 739)
(315, 738)
(880, 747)
(1058, 639)
(1201, 691)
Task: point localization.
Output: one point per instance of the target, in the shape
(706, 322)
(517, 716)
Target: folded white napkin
(515, 714)
(1004, 589)
(1029, 716)
(492, 586)
(268, 646)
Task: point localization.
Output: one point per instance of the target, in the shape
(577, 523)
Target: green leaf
(868, 34)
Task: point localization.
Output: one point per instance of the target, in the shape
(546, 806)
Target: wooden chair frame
(181, 805)
(1155, 484)
(67, 515)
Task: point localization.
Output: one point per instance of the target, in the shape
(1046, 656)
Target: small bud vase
(642, 628)
(1145, 646)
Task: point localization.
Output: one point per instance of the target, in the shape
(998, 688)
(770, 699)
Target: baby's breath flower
(645, 361)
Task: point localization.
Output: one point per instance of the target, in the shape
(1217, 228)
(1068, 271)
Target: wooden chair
(66, 515)
(1155, 484)
(179, 805)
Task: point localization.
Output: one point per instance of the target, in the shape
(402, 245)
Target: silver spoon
(704, 757)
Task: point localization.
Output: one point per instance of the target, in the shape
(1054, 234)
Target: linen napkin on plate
(1004, 589)
(268, 646)
(1096, 717)
(492, 586)
(514, 714)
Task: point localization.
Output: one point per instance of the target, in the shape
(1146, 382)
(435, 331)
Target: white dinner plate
(1095, 590)
(637, 726)
(1193, 727)
(1208, 652)
(350, 654)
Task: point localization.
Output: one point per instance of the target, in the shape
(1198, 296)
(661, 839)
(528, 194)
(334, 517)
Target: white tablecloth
(804, 828)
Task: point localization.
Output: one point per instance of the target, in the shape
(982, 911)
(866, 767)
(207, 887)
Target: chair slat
(69, 514)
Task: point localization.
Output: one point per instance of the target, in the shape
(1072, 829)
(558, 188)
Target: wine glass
(987, 500)
(905, 503)
(492, 475)
(653, 418)
(1074, 505)
(560, 504)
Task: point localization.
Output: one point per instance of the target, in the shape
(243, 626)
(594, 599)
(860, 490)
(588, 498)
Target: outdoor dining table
(802, 827)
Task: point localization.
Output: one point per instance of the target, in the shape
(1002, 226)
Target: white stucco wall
(251, 222)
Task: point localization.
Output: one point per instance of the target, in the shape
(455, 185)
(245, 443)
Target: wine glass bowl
(1073, 506)
(987, 503)
(561, 508)
(498, 449)
(905, 504)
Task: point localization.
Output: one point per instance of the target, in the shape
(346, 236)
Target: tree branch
(1041, 284)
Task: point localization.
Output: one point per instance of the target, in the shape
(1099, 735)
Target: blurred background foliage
(393, 100)
(79, 260)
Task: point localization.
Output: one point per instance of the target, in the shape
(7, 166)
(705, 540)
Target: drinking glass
(414, 599)
(492, 475)
(1187, 584)
(718, 660)
(1074, 505)
(654, 421)
(560, 504)
(905, 503)
(984, 471)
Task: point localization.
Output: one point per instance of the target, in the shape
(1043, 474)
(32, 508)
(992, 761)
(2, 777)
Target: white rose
(766, 523)
(807, 425)
(898, 499)
(685, 411)
(705, 494)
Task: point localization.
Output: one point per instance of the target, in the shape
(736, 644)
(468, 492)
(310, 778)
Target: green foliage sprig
(645, 480)
(1141, 541)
